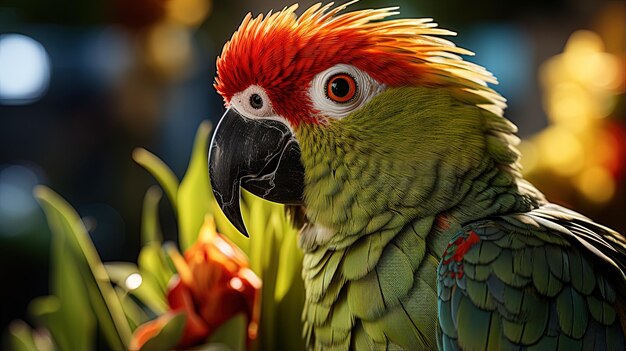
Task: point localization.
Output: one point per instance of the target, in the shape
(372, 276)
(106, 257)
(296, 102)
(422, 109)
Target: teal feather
(528, 291)
(446, 323)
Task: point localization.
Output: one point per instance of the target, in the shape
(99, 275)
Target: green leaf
(232, 333)
(168, 335)
(153, 266)
(289, 272)
(134, 313)
(72, 247)
(276, 259)
(160, 171)
(227, 229)
(194, 193)
(65, 319)
(148, 292)
(23, 338)
(150, 228)
(67, 313)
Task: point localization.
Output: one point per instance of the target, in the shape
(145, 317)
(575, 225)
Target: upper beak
(262, 156)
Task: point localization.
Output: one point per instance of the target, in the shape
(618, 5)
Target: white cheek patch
(366, 86)
(244, 104)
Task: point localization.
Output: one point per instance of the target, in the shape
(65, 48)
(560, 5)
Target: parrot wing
(548, 279)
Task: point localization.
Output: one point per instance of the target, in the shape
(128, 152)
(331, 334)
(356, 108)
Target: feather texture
(546, 290)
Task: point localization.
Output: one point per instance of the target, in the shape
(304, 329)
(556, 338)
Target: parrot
(392, 154)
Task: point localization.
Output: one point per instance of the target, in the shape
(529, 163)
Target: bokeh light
(17, 204)
(24, 69)
(580, 147)
(133, 281)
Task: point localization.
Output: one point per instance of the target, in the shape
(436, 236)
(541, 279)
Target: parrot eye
(341, 89)
(256, 101)
(253, 102)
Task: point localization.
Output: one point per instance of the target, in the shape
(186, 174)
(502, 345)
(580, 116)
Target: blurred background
(82, 83)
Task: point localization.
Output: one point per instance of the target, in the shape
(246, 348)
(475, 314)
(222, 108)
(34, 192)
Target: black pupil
(340, 87)
(256, 101)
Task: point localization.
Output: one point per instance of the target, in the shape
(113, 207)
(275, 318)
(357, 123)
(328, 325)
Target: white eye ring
(253, 102)
(366, 88)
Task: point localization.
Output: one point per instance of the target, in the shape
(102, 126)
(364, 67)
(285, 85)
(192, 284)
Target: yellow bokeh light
(561, 150)
(570, 105)
(169, 48)
(596, 184)
(581, 86)
(530, 156)
(188, 12)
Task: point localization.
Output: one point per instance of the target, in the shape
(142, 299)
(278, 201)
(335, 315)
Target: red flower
(213, 285)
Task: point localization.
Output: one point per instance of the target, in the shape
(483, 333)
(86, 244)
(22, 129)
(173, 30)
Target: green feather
(362, 341)
(513, 299)
(581, 273)
(318, 285)
(395, 276)
(474, 326)
(482, 272)
(601, 311)
(479, 294)
(522, 263)
(573, 313)
(342, 319)
(544, 281)
(503, 267)
(556, 262)
(362, 256)
(566, 343)
(412, 246)
(365, 297)
(532, 320)
(545, 343)
(615, 338)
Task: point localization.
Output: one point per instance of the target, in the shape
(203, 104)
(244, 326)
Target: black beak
(260, 155)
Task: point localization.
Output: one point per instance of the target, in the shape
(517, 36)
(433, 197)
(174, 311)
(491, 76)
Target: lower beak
(260, 155)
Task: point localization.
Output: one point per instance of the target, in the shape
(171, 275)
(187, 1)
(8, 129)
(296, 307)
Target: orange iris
(341, 88)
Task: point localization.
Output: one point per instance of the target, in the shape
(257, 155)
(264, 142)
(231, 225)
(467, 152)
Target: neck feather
(409, 155)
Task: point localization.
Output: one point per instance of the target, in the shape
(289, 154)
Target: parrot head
(323, 105)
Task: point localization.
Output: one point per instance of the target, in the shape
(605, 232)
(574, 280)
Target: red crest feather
(282, 52)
